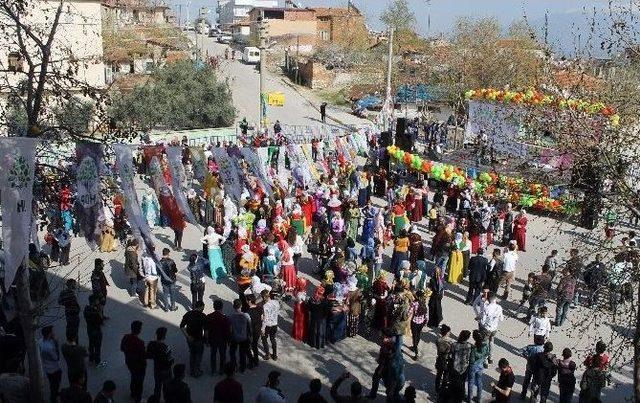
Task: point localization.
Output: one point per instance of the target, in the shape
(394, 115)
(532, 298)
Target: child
(540, 326)
(528, 289)
(433, 216)
(552, 262)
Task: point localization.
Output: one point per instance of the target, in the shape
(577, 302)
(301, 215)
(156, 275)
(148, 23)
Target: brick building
(293, 28)
(342, 26)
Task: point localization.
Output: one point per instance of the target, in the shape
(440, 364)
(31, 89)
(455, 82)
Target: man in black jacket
(176, 389)
(478, 269)
(93, 317)
(71, 306)
(167, 270)
(160, 353)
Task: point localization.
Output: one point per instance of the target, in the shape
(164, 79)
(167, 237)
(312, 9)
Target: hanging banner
(306, 149)
(228, 174)
(154, 170)
(299, 167)
(198, 162)
(124, 165)
(257, 167)
(88, 201)
(174, 155)
(16, 189)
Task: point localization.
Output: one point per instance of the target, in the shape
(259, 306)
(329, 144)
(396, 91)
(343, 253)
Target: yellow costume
(455, 267)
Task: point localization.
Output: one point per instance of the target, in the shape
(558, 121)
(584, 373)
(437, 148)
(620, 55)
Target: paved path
(244, 81)
(297, 361)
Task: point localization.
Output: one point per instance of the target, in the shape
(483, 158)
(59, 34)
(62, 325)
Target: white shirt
(491, 316)
(149, 268)
(510, 260)
(540, 326)
(271, 309)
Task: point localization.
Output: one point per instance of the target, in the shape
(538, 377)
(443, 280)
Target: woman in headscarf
(352, 216)
(520, 230)
(194, 204)
(298, 220)
(380, 290)
(300, 326)
(213, 241)
(436, 286)
(288, 268)
(107, 237)
(398, 217)
(337, 226)
(507, 226)
(318, 312)
(337, 319)
(455, 265)
(354, 302)
(151, 208)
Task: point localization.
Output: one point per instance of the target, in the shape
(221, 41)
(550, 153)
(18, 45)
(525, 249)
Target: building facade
(231, 12)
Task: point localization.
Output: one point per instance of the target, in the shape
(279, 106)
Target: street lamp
(263, 33)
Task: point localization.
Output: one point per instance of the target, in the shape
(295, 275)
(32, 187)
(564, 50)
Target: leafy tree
(181, 95)
(399, 16)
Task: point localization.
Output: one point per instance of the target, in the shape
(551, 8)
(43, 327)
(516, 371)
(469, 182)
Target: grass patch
(334, 97)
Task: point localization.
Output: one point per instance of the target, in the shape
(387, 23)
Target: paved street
(298, 362)
(245, 84)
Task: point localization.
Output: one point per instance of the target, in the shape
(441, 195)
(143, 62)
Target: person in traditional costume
(352, 216)
(369, 226)
(410, 204)
(318, 312)
(151, 209)
(354, 302)
(213, 240)
(337, 319)
(452, 199)
(280, 228)
(297, 220)
(507, 226)
(307, 205)
(363, 189)
(455, 266)
(270, 265)
(379, 226)
(194, 204)
(107, 237)
(380, 183)
(416, 248)
(520, 230)
(166, 172)
(287, 265)
(416, 212)
(464, 245)
(258, 245)
(380, 291)
(436, 286)
(425, 197)
(300, 327)
(337, 226)
(335, 206)
(398, 217)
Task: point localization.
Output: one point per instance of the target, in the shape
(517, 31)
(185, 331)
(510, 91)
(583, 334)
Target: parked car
(225, 37)
(214, 32)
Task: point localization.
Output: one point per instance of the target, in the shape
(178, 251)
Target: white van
(251, 55)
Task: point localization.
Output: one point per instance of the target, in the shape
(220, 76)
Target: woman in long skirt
(300, 311)
(436, 285)
(216, 263)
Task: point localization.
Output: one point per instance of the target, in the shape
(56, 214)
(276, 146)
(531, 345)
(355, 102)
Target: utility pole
(262, 28)
(388, 102)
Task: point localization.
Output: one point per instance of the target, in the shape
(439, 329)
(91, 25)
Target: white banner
(126, 171)
(502, 125)
(174, 155)
(16, 185)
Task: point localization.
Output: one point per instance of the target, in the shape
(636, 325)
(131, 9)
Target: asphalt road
(300, 108)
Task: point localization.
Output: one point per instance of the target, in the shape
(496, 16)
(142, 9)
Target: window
(15, 61)
(324, 35)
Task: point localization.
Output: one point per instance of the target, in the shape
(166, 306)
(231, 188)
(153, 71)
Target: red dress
(300, 321)
(520, 231)
(307, 210)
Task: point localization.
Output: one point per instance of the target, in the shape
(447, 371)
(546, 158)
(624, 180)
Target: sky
(567, 19)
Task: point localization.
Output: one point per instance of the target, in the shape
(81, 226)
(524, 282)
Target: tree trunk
(636, 354)
(29, 327)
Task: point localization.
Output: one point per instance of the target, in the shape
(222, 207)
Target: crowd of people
(258, 245)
